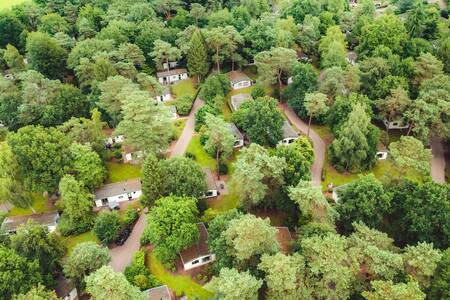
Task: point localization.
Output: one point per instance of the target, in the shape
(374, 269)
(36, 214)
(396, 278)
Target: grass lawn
(39, 205)
(184, 87)
(181, 284)
(71, 241)
(120, 171)
(201, 157)
(224, 203)
(178, 126)
(324, 132)
(6, 4)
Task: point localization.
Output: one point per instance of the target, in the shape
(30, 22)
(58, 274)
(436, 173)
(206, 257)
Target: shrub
(130, 216)
(258, 91)
(184, 105)
(107, 226)
(138, 274)
(201, 114)
(66, 228)
(223, 169)
(190, 155)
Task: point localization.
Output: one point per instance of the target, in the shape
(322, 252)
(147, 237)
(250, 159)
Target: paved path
(438, 160)
(122, 255)
(188, 131)
(318, 144)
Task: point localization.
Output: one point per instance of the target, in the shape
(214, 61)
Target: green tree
(45, 55)
(77, 205)
(146, 126)
(409, 153)
(13, 58)
(18, 274)
(172, 226)
(316, 106)
(233, 284)
(106, 284)
(52, 23)
(421, 262)
(197, 12)
(166, 6)
(86, 165)
(86, 258)
(333, 82)
(394, 106)
(272, 64)
(152, 181)
(197, 55)
(363, 200)
(219, 138)
(333, 48)
(164, 52)
(285, 276)
(389, 290)
(107, 226)
(138, 274)
(257, 176)
(217, 40)
(440, 285)
(426, 67)
(215, 85)
(41, 155)
(261, 120)
(37, 293)
(10, 30)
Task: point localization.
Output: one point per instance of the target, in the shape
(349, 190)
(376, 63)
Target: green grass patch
(7, 4)
(178, 127)
(181, 284)
(71, 241)
(40, 205)
(225, 203)
(120, 171)
(184, 87)
(323, 131)
(201, 157)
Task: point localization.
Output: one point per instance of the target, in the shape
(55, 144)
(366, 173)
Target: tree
(138, 274)
(351, 150)
(166, 6)
(257, 175)
(271, 64)
(86, 166)
(33, 242)
(235, 285)
(18, 274)
(172, 226)
(107, 226)
(218, 39)
(219, 138)
(299, 157)
(313, 205)
(394, 106)
(285, 276)
(164, 52)
(389, 290)
(261, 120)
(197, 12)
(86, 258)
(106, 284)
(52, 23)
(37, 293)
(440, 285)
(409, 153)
(426, 67)
(10, 30)
(41, 155)
(77, 205)
(250, 237)
(300, 8)
(13, 58)
(178, 176)
(215, 85)
(197, 55)
(333, 49)
(45, 55)
(146, 126)
(363, 200)
(315, 105)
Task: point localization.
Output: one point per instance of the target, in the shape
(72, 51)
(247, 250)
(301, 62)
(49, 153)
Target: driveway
(122, 255)
(318, 144)
(189, 129)
(438, 160)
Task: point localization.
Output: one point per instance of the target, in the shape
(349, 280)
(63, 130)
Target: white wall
(173, 78)
(288, 141)
(119, 198)
(241, 85)
(189, 265)
(238, 143)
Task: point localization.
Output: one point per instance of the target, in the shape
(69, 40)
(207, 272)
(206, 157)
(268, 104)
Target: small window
(195, 262)
(206, 259)
(120, 197)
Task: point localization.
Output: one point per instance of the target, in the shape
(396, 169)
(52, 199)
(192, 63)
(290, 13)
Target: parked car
(123, 236)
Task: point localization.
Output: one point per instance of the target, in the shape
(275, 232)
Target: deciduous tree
(107, 225)
(389, 290)
(233, 284)
(409, 154)
(316, 106)
(164, 52)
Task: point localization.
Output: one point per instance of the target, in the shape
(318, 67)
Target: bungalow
(289, 134)
(114, 140)
(159, 293)
(238, 100)
(165, 96)
(396, 124)
(197, 255)
(284, 239)
(211, 183)
(111, 194)
(171, 76)
(172, 64)
(239, 138)
(49, 219)
(239, 80)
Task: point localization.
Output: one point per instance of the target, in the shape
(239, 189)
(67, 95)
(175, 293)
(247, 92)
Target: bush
(138, 274)
(201, 114)
(66, 228)
(223, 169)
(213, 86)
(107, 226)
(184, 105)
(258, 91)
(190, 155)
(117, 154)
(130, 216)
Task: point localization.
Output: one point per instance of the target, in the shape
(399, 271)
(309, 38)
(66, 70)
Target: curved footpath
(318, 144)
(437, 160)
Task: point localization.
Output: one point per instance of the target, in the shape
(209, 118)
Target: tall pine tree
(197, 56)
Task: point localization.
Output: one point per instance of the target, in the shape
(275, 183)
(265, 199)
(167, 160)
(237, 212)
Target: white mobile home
(289, 134)
(396, 124)
(114, 193)
(171, 76)
(211, 183)
(118, 139)
(239, 138)
(239, 80)
(197, 255)
(172, 64)
(165, 96)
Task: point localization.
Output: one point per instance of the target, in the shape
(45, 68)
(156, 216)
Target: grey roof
(235, 131)
(159, 293)
(171, 72)
(238, 100)
(118, 188)
(236, 76)
(209, 177)
(288, 131)
(10, 224)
